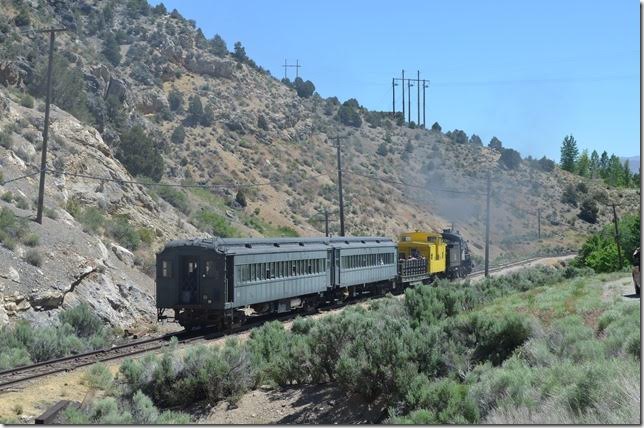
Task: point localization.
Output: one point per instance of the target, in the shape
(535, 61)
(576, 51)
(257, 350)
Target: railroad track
(516, 263)
(12, 377)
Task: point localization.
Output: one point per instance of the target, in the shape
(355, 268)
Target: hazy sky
(526, 72)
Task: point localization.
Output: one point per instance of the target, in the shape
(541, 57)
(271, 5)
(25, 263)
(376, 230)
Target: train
(220, 282)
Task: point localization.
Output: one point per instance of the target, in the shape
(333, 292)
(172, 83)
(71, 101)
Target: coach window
(210, 269)
(166, 269)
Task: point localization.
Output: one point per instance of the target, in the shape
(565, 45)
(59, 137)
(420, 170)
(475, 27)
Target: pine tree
(436, 127)
(614, 171)
(583, 164)
(240, 53)
(627, 174)
(476, 140)
(603, 164)
(218, 46)
(594, 164)
(195, 109)
(569, 153)
(112, 49)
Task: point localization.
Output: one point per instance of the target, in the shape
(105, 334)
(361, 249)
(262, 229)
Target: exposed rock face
(77, 267)
(116, 88)
(152, 101)
(210, 66)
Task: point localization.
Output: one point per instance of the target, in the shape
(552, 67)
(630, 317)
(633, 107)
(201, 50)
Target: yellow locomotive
(426, 255)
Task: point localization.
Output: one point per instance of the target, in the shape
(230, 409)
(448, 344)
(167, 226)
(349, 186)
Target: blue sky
(526, 72)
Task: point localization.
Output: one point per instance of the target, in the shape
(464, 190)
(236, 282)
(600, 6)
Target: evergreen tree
(603, 164)
(175, 100)
(495, 144)
(436, 127)
(195, 109)
(178, 135)
(614, 171)
(112, 49)
(583, 164)
(208, 116)
(569, 153)
(510, 158)
(476, 140)
(304, 89)
(218, 46)
(627, 174)
(139, 155)
(594, 164)
(240, 53)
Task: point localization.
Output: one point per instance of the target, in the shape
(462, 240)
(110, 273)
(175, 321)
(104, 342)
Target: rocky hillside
(142, 96)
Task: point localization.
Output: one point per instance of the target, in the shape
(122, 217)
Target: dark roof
(269, 245)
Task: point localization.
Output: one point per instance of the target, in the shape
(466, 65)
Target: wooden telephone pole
(45, 133)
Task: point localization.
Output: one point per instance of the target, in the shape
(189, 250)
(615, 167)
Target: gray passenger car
(207, 281)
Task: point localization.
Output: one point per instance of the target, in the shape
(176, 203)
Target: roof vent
(248, 246)
(301, 244)
(363, 242)
(346, 242)
(276, 244)
(377, 241)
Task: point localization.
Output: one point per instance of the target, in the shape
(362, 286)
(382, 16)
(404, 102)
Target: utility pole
(487, 228)
(326, 222)
(418, 96)
(393, 91)
(297, 68)
(409, 85)
(424, 86)
(403, 90)
(45, 133)
(341, 198)
(538, 223)
(619, 248)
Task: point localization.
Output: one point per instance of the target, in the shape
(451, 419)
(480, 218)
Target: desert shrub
(6, 140)
(174, 197)
(99, 377)
(241, 199)
(175, 100)
(91, 218)
(31, 240)
(51, 342)
(14, 357)
(33, 257)
(84, 322)
(27, 101)
(445, 401)
(202, 373)
(146, 235)
(7, 196)
(493, 337)
(12, 228)
(569, 195)
(21, 202)
(214, 223)
(349, 115)
(376, 361)
(588, 210)
(124, 232)
(279, 356)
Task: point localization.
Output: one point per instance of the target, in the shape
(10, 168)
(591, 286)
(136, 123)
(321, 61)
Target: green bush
(445, 400)
(6, 140)
(84, 322)
(139, 155)
(27, 101)
(214, 223)
(91, 218)
(12, 228)
(202, 373)
(99, 377)
(120, 228)
(51, 213)
(31, 240)
(33, 257)
(176, 198)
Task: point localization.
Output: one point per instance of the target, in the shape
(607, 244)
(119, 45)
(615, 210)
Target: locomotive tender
(214, 281)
